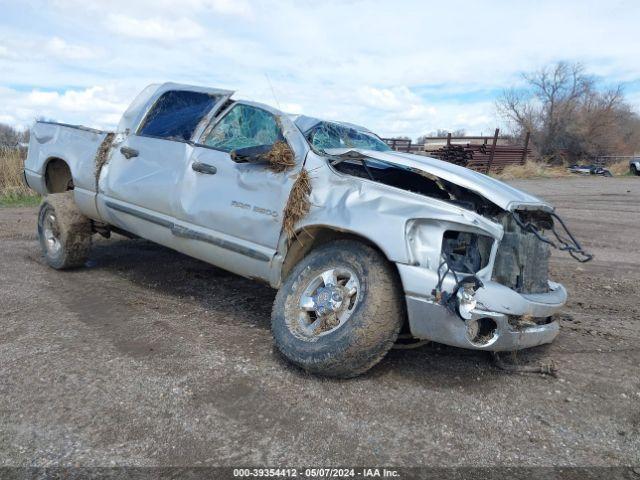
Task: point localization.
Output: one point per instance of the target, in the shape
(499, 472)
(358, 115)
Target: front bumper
(432, 321)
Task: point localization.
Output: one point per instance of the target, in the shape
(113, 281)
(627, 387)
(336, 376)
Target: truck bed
(77, 146)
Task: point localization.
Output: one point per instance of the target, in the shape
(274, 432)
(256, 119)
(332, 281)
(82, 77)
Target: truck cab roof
(145, 99)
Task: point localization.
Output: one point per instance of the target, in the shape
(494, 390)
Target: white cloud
(356, 61)
(10, 120)
(19, 48)
(99, 106)
(61, 49)
(163, 30)
(230, 7)
(388, 98)
(167, 8)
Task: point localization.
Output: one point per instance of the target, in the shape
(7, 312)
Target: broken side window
(244, 126)
(176, 114)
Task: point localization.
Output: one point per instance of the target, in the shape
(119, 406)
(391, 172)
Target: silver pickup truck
(362, 243)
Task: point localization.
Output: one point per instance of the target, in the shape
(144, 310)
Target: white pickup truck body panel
(77, 146)
(233, 219)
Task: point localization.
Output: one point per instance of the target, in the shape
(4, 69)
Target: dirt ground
(148, 357)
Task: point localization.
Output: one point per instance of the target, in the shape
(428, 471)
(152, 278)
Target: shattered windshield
(326, 135)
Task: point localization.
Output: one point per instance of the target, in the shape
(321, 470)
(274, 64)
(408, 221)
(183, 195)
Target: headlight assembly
(466, 252)
(464, 249)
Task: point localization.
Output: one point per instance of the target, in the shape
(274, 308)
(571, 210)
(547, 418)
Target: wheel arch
(57, 175)
(310, 237)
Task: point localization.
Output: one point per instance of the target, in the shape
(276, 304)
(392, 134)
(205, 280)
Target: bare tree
(9, 136)
(568, 116)
(441, 133)
(25, 135)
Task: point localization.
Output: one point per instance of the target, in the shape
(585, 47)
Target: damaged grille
(522, 260)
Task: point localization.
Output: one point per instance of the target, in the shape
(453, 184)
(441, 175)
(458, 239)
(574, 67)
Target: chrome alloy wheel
(328, 301)
(51, 234)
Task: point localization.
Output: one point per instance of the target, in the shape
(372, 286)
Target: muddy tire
(339, 311)
(64, 233)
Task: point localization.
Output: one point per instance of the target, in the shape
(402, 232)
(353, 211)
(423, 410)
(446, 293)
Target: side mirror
(250, 154)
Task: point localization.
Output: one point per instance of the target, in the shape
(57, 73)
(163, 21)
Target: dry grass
(280, 157)
(532, 169)
(102, 154)
(13, 191)
(298, 204)
(619, 169)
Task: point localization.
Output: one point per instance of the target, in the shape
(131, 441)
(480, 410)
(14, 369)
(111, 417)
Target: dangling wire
(570, 245)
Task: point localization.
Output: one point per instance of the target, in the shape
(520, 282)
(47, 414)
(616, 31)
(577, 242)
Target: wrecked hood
(501, 194)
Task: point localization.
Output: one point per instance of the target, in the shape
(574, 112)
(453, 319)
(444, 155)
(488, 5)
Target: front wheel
(64, 233)
(339, 311)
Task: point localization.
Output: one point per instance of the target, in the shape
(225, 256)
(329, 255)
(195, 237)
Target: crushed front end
(483, 284)
(475, 270)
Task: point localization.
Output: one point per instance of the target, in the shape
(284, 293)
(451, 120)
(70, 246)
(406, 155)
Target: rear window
(176, 114)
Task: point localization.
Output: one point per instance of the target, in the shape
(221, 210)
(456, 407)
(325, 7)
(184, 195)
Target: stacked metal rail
(481, 157)
(484, 157)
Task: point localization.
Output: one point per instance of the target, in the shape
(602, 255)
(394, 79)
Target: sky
(396, 67)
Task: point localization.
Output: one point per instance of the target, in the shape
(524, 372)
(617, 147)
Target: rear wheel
(634, 170)
(339, 311)
(64, 233)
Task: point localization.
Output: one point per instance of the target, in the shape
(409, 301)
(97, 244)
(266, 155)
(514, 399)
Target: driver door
(233, 211)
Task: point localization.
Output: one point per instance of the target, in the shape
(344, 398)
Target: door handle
(204, 168)
(128, 152)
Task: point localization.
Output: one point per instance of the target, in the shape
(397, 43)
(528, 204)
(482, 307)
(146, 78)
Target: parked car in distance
(590, 170)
